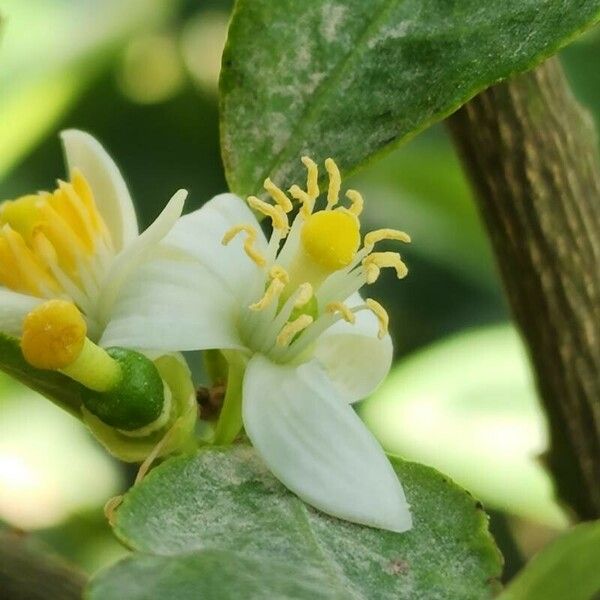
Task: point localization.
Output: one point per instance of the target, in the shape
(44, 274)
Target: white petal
(200, 234)
(353, 356)
(173, 304)
(85, 153)
(13, 309)
(131, 257)
(318, 447)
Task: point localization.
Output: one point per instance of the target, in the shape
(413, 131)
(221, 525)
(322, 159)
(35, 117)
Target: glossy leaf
(218, 525)
(348, 78)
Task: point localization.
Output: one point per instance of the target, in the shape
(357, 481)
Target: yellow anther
(304, 294)
(385, 234)
(331, 238)
(308, 203)
(279, 279)
(20, 268)
(342, 309)
(312, 178)
(335, 183)
(380, 260)
(381, 315)
(276, 213)
(249, 248)
(356, 202)
(53, 335)
(47, 230)
(278, 195)
(290, 330)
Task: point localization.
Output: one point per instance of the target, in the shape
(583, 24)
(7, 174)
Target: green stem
(230, 423)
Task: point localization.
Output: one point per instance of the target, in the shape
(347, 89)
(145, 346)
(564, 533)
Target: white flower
(79, 243)
(301, 342)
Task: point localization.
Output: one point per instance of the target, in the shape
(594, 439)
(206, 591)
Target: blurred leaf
(49, 465)
(55, 386)
(218, 525)
(567, 568)
(85, 540)
(29, 572)
(421, 188)
(50, 50)
(467, 406)
(348, 78)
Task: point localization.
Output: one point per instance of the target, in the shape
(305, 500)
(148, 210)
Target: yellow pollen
(312, 178)
(279, 279)
(54, 334)
(38, 232)
(276, 213)
(342, 309)
(335, 183)
(381, 315)
(249, 242)
(385, 234)
(290, 330)
(356, 202)
(278, 195)
(380, 260)
(304, 294)
(331, 238)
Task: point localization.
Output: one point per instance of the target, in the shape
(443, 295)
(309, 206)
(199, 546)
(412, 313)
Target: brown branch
(531, 153)
(28, 573)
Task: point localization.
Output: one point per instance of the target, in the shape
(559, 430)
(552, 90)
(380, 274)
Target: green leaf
(348, 78)
(567, 568)
(53, 385)
(218, 525)
(468, 407)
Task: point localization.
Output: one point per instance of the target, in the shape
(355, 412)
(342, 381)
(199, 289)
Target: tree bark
(531, 153)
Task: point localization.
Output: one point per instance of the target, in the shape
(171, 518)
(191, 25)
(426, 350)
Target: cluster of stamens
(309, 278)
(54, 244)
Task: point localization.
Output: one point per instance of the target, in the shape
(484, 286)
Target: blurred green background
(142, 77)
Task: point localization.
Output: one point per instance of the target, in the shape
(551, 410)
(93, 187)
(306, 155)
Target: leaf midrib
(336, 73)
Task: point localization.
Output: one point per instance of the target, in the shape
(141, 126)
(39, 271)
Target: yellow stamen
(53, 335)
(342, 309)
(305, 293)
(381, 315)
(276, 213)
(290, 330)
(356, 202)
(48, 230)
(54, 338)
(385, 234)
(279, 279)
(331, 238)
(380, 260)
(312, 178)
(278, 195)
(308, 203)
(335, 183)
(249, 248)
(24, 271)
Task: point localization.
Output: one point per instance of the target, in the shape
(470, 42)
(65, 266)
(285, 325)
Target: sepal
(174, 435)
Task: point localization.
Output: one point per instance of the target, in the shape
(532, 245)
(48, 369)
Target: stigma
(53, 244)
(313, 266)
